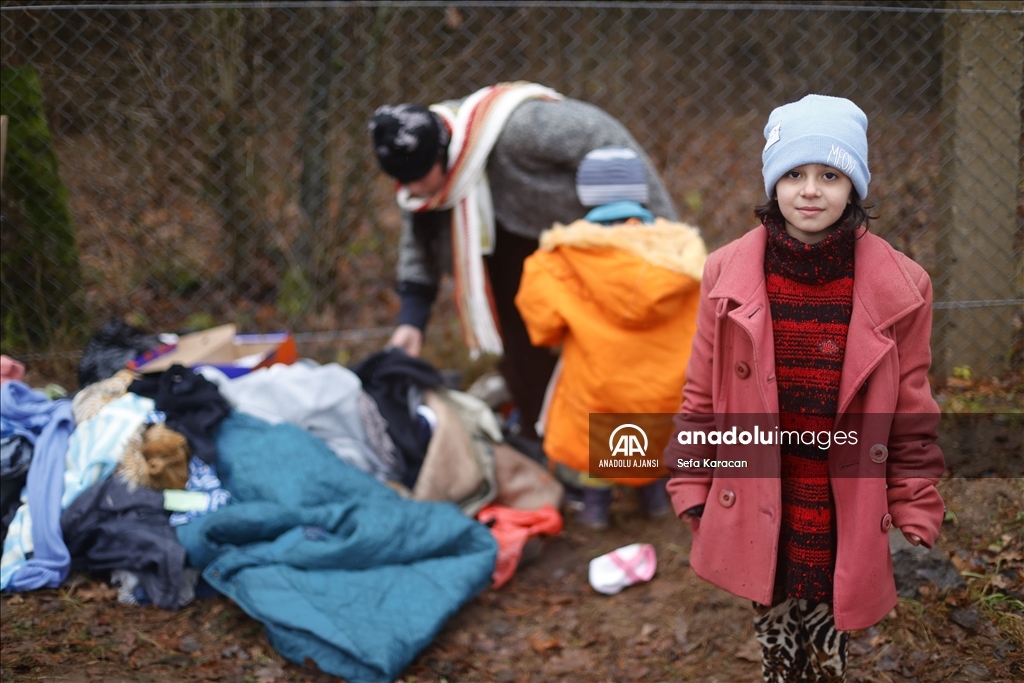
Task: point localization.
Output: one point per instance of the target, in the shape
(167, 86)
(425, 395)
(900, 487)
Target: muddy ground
(547, 624)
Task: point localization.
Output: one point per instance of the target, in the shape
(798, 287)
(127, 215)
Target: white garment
(322, 399)
(612, 572)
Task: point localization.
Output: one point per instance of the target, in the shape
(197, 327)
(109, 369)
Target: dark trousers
(525, 367)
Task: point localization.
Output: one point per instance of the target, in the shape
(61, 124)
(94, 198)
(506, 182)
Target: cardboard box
(221, 347)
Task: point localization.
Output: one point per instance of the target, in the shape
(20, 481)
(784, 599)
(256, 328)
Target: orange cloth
(512, 528)
(622, 302)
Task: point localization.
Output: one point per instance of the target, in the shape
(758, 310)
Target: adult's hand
(409, 338)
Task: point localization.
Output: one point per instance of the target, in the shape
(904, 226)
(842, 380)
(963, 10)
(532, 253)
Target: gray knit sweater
(532, 174)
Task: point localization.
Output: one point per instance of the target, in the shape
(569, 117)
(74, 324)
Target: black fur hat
(408, 140)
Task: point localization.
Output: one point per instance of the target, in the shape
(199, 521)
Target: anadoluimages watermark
(761, 437)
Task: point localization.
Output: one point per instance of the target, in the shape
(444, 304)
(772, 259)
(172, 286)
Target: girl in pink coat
(808, 427)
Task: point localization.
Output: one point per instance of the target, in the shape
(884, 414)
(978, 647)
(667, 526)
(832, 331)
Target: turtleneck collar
(826, 261)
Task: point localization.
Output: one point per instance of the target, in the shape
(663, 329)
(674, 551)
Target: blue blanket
(338, 567)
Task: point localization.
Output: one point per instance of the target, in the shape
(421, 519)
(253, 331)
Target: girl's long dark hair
(854, 216)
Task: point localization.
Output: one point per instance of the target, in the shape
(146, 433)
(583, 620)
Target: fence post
(979, 257)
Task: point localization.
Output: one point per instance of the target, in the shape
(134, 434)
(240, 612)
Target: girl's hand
(912, 539)
(692, 514)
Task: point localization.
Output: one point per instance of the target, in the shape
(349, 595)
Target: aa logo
(628, 444)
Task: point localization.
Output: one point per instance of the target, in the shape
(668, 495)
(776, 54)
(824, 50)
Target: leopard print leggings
(800, 643)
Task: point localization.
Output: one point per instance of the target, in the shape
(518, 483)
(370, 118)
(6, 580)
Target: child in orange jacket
(618, 291)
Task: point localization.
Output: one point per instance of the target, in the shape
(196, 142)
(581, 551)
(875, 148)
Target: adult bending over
(479, 180)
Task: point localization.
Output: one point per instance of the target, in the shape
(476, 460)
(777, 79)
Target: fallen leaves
(269, 674)
(517, 611)
(681, 632)
(1004, 580)
(645, 633)
(97, 630)
(188, 645)
(965, 561)
(544, 625)
(543, 646)
(569, 662)
(99, 592)
(750, 651)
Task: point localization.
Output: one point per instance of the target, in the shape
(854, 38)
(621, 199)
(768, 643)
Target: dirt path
(547, 624)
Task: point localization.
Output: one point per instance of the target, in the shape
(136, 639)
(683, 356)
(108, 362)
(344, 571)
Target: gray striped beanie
(611, 174)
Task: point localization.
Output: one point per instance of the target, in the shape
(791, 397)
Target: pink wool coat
(886, 479)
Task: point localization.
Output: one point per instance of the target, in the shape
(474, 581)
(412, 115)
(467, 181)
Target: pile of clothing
(352, 511)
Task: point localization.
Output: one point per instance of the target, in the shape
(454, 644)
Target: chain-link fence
(187, 163)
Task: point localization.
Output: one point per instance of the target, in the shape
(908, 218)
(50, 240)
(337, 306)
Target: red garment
(887, 479)
(512, 528)
(810, 289)
(10, 369)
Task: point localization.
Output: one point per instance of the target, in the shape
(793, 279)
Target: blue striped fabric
(611, 174)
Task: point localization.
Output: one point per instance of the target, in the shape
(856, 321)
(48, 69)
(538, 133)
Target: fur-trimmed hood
(622, 303)
(639, 274)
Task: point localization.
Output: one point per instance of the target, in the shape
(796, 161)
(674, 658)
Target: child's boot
(654, 500)
(594, 514)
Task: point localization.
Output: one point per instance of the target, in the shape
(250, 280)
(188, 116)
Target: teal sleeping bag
(338, 567)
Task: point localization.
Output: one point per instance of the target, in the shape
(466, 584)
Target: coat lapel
(742, 281)
(883, 293)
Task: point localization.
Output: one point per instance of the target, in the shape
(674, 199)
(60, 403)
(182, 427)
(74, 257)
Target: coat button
(726, 497)
(886, 522)
(742, 370)
(878, 453)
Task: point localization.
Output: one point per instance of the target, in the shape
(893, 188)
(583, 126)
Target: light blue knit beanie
(817, 130)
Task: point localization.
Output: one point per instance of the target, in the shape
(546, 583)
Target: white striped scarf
(475, 126)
